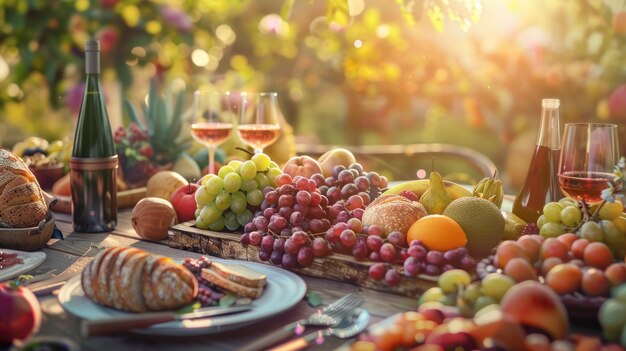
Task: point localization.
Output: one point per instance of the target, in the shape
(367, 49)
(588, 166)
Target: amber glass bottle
(542, 184)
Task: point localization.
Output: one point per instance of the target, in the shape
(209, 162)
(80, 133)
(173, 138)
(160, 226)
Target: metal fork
(327, 316)
(350, 326)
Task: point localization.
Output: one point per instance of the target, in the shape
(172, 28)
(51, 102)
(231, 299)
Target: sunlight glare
(383, 31)
(4, 69)
(200, 57)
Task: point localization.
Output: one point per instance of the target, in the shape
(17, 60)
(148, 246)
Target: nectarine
(536, 305)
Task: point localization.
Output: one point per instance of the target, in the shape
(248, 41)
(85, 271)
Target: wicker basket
(28, 239)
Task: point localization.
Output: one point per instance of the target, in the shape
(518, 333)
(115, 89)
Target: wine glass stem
(212, 159)
(258, 150)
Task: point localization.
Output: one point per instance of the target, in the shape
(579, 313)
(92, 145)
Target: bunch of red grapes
(417, 259)
(306, 218)
(345, 183)
(291, 216)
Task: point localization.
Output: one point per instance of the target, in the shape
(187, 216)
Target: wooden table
(62, 254)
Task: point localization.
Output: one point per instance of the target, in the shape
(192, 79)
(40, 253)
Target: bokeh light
(200, 57)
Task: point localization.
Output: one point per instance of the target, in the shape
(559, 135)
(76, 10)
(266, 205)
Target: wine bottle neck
(92, 62)
(549, 131)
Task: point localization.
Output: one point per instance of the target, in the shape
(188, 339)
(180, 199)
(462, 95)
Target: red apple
(184, 201)
(303, 166)
(20, 314)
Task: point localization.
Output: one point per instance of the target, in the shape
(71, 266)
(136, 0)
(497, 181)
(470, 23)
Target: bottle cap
(92, 45)
(550, 103)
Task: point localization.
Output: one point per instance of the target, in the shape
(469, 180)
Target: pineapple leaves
(132, 113)
(163, 120)
(160, 121)
(176, 116)
(151, 109)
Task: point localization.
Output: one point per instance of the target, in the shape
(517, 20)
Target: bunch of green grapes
(611, 316)
(230, 198)
(455, 288)
(565, 216)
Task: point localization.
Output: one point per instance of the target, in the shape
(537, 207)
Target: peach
(564, 278)
(548, 264)
(567, 239)
(578, 247)
(303, 166)
(530, 246)
(536, 305)
(598, 255)
(552, 247)
(616, 273)
(595, 283)
(520, 270)
(453, 335)
(495, 329)
(536, 237)
(506, 251)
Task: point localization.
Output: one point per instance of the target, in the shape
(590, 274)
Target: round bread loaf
(21, 200)
(393, 213)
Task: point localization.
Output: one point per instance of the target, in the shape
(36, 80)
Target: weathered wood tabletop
(62, 254)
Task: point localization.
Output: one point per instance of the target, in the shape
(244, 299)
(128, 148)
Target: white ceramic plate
(31, 261)
(283, 290)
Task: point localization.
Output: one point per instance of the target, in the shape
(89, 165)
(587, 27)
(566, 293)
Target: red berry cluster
(135, 152)
(133, 138)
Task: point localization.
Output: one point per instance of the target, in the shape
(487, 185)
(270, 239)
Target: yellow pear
(436, 198)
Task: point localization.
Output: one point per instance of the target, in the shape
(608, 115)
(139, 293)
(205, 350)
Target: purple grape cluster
(417, 259)
(352, 184)
(208, 294)
(360, 241)
(291, 217)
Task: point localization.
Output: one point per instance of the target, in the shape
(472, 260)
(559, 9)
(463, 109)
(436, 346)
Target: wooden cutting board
(338, 267)
(126, 198)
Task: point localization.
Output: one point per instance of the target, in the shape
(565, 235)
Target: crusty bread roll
(133, 280)
(21, 200)
(393, 213)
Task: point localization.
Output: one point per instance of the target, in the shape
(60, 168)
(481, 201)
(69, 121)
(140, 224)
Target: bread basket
(28, 239)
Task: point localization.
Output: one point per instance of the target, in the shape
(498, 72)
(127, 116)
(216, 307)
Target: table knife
(142, 320)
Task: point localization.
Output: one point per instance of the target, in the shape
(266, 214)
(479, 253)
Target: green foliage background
(347, 72)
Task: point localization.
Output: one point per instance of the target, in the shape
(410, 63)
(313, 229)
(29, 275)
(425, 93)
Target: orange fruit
(437, 232)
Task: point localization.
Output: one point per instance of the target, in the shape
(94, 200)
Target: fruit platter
(330, 218)
(450, 246)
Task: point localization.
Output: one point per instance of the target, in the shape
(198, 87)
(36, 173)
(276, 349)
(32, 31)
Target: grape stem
(587, 215)
(244, 150)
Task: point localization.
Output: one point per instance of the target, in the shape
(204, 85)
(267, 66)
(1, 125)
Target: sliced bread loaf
(21, 200)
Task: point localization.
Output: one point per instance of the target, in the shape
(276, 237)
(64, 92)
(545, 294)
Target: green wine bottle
(93, 166)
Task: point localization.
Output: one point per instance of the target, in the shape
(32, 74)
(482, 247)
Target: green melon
(481, 221)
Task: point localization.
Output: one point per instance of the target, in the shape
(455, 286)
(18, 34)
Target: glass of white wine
(258, 122)
(213, 119)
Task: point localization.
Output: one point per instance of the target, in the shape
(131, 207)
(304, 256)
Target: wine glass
(258, 124)
(212, 120)
(589, 153)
